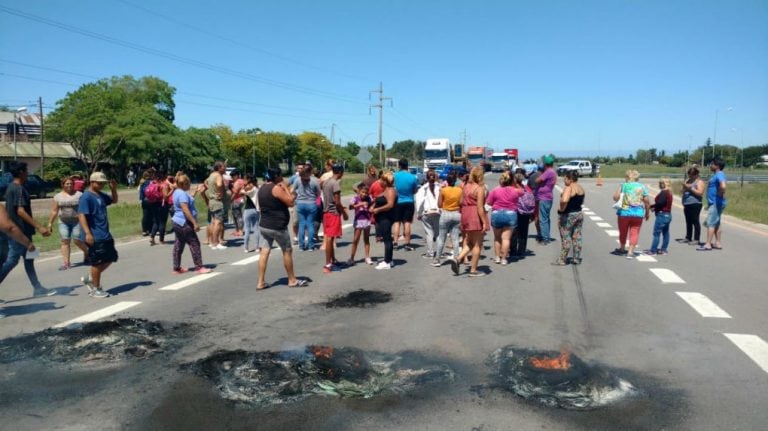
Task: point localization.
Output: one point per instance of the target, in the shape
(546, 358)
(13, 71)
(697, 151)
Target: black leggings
(692, 212)
(520, 241)
(384, 230)
(159, 220)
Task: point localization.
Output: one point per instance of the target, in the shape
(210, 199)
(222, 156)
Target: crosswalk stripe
(755, 347)
(703, 305)
(190, 281)
(98, 314)
(667, 275)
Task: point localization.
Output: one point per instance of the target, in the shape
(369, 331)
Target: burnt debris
(557, 379)
(268, 378)
(360, 298)
(106, 341)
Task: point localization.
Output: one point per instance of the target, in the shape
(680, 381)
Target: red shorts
(331, 225)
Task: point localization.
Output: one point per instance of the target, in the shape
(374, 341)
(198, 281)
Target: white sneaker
(369, 261)
(220, 247)
(383, 265)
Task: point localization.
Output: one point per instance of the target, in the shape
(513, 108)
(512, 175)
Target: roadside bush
(57, 169)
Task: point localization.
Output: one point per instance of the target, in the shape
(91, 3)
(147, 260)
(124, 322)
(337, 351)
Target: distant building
(27, 130)
(764, 160)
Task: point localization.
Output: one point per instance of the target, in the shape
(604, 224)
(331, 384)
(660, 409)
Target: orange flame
(561, 362)
(322, 351)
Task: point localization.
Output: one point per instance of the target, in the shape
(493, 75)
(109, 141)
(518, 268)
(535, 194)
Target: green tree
(116, 121)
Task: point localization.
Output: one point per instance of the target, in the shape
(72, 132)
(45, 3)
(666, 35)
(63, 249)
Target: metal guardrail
(731, 176)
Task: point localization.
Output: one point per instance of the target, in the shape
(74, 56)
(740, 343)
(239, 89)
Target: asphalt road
(609, 310)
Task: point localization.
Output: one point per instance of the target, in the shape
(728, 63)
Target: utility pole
(380, 105)
(333, 133)
(42, 138)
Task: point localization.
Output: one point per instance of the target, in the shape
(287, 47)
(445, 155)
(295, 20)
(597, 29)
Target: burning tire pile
(106, 341)
(557, 379)
(267, 378)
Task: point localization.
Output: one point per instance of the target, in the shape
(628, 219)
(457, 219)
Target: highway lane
(609, 309)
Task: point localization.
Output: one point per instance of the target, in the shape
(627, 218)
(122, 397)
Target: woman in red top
(474, 221)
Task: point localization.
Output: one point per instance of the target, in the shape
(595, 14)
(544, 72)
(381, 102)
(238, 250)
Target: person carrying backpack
(153, 195)
(526, 206)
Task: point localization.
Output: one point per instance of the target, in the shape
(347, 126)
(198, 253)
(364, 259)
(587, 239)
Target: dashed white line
(585, 208)
(591, 213)
(595, 218)
(703, 305)
(645, 258)
(603, 224)
(98, 314)
(248, 260)
(755, 347)
(667, 275)
(612, 233)
(346, 225)
(190, 281)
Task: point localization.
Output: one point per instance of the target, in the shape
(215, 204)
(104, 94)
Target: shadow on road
(20, 310)
(128, 287)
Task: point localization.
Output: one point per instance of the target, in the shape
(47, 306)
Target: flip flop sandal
(266, 286)
(702, 248)
(300, 283)
(717, 248)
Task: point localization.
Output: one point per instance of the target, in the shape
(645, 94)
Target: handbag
(619, 203)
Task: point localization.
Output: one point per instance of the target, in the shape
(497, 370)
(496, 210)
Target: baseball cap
(548, 160)
(99, 177)
(337, 168)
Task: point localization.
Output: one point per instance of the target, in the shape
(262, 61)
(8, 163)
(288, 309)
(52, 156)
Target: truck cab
(437, 154)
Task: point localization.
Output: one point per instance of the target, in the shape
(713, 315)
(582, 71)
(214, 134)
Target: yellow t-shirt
(451, 198)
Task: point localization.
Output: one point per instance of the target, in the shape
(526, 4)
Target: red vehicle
(479, 156)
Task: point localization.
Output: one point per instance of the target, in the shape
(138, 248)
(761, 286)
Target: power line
(177, 58)
(68, 84)
(236, 42)
(223, 99)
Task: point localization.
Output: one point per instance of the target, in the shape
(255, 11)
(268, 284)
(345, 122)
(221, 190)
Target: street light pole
(714, 138)
(15, 126)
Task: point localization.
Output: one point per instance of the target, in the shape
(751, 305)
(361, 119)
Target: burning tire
(105, 341)
(557, 379)
(267, 378)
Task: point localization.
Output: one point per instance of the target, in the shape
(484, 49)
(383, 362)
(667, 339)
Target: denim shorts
(69, 231)
(501, 219)
(269, 236)
(713, 216)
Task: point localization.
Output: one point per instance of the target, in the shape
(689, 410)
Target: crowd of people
(456, 213)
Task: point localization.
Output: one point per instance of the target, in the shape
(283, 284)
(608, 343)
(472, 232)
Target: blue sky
(569, 77)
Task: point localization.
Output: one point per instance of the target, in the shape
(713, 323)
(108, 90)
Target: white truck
(500, 162)
(583, 167)
(437, 154)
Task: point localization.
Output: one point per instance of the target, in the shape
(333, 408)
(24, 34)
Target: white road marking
(603, 224)
(248, 260)
(703, 305)
(612, 232)
(585, 208)
(98, 314)
(190, 281)
(646, 258)
(595, 218)
(667, 275)
(589, 213)
(346, 225)
(755, 347)
(117, 245)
